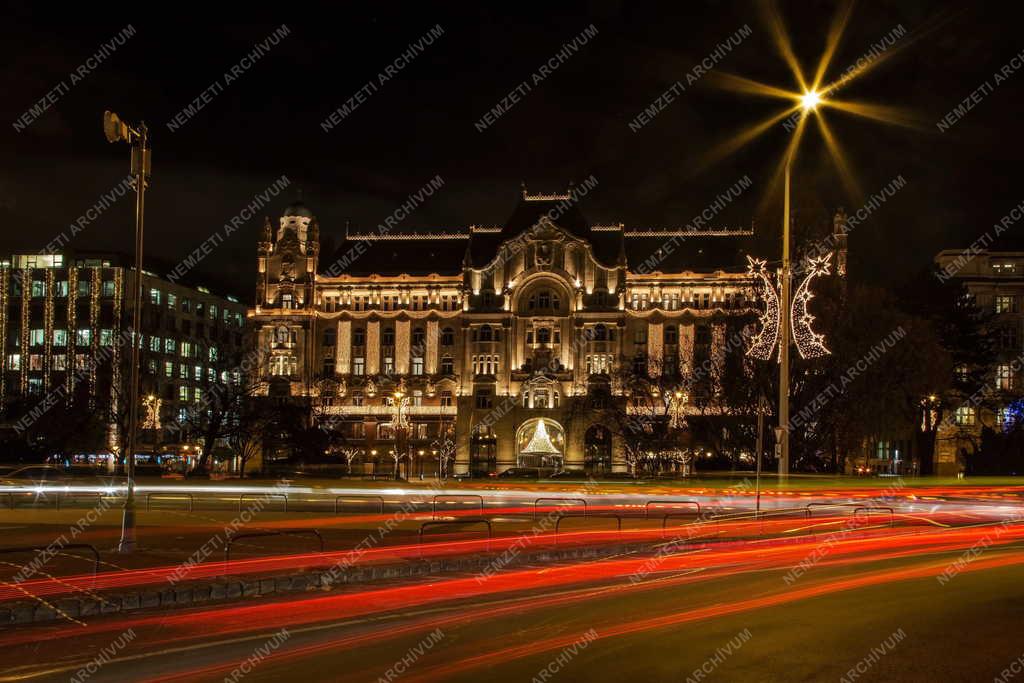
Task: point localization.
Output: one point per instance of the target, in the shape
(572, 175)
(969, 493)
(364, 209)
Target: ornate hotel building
(490, 335)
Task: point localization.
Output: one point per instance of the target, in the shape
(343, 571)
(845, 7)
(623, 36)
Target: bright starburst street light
(812, 96)
(809, 101)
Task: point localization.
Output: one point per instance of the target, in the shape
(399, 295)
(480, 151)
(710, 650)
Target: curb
(223, 591)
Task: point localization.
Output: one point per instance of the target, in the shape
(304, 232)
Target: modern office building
(65, 328)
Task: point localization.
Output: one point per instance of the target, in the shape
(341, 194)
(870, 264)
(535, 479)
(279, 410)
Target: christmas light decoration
(763, 344)
(4, 296)
(72, 332)
(48, 330)
(94, 336)
(26, 292)
(809, 343)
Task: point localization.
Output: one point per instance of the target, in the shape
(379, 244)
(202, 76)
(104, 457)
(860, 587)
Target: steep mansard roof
(425, 250)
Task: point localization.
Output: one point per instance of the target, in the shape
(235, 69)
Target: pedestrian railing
(809, 506)
(868, 509)
(263, 495)
(170, 496)
(379, 499)
(669, 503)
(453, 499)
(615, 516)
(280, 532)
(537, 501)
(450, 522)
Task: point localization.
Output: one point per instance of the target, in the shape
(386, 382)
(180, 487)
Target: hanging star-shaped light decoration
(763, 344)
(809, 343)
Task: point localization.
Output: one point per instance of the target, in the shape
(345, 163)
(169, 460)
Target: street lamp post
(117, 130)
(808, 103)
(400, 427)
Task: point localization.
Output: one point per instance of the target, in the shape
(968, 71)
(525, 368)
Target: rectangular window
(35, 385)
(108, 288)
(182, 371)
(60, 288)
(36, 337)
(170, 346)
(358, 366)
(417, 366)
(446, 398)
(186, 349)
(964, 416)
(199, 373)
(182, 393)
(35, 361)
(154, 296)
(213, 354)
(168, 369)
(107, 337)
(328, 367)
(388, 366)
(154, 344)
(483, 398)
(14, 361)
(60, 362)
(83, 337)
(1006, 304)
(447, 366)
(38, 288)
(1004, 377)
(172, 301)
(212, 311)
(60, 337)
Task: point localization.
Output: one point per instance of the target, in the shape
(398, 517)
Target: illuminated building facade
(490, 335)
(66, 328)
(995, 281)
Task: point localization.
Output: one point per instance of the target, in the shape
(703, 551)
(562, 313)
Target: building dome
(297, 209)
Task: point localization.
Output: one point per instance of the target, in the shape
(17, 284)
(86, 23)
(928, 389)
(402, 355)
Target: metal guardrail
(379, 499)
(561, 518)
(808, 507)
(280, 532)
(452, 496)
(647, 508)
(171, 496)
(264, 495)
(450, 522)
(868, 509)
(536, 503)
(42, 548)
(76, 494)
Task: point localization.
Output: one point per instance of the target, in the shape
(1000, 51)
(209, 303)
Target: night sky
(574, 124)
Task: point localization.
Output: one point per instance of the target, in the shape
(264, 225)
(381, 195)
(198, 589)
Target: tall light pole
(117, 130)
(808, 103)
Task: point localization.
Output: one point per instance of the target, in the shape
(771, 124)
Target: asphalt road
(876, 608)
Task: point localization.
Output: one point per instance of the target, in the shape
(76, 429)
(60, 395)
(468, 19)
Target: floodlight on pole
(117, 130)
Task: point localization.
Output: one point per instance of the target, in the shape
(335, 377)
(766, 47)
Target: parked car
(520, 473)
(569, 474)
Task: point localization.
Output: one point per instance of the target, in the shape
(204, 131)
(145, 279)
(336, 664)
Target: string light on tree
(809, 343)
(763, 343)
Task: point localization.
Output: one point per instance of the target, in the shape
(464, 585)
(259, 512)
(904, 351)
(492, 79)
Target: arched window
(387, 336)
(600, 333)
(544, 335)
(419, 338)
(486, 333)
(447, 366)
(544, 300)
(447, 337)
